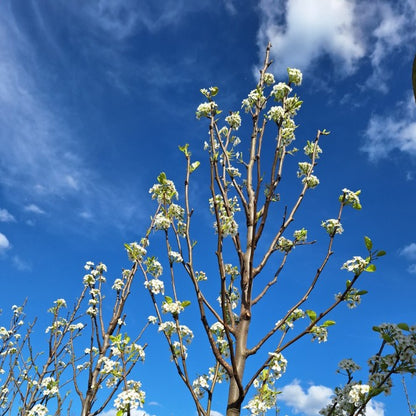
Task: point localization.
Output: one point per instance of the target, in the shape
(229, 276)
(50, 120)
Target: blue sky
(96, 96)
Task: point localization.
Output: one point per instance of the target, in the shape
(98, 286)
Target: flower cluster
(49, 386)
(164, 191)
(288, 323)
(217, 329)
(357, 393)
(234, 120)
(284, 244)
(255, 98)
(300, 236)
(268, 78)
(356, 265)
(312, 150)
(153, 267)
(135, 251)
(276, 113)
(155, 286)
(200, 276)
(266, 396)
(280, 91)
(169, 328)
(352, 297)
(295, 76)
(310, 181)
(228, 225)
(350, 198)
(38, 410)
(93, 275)
(161, 221)
(332, 226)
(175, 257)
(200, 385)
(130, 399)
(175, 308)
(319, 333)
(207, 109)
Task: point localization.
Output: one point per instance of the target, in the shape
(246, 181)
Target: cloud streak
(46, 160)
(395, 130)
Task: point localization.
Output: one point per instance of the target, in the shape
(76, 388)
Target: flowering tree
(87, 349)
(85, 352)
(243, 199)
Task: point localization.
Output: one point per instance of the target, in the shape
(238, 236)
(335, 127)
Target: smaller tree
(85, 352)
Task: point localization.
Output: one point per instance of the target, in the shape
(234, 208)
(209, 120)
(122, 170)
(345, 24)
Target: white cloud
(374, 409)
(34, 209)
(409, 251)
(315, 398)
(4, 243)
(309, 402)
(393, 131)
(215, 413)
(302, 32)
(20, 264)
(412, 269)
(348, 32)
(5, 216)
(113, 412)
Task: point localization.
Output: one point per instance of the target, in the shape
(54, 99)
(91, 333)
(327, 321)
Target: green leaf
(184, 149)
(194, 166)
(168, 299)
(403, 326)
(213, 91)
(376, 329)
(185, 303)
(371, 268)
(362, 292)
(311, 314)
(161, 178)
(380, 253)
(328, 323)
(368, 243)
(120, 413)
(325, 132)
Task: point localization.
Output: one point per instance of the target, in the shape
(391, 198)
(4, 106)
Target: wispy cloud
(395, 130)
(46, 160)
(34, 209)
(5, 216)
(4, 243)
(20, 264)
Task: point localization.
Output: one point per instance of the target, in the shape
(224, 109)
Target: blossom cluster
(228, 225)
(164, 191)
(131, 398)
(356, 265)
(266, 396)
